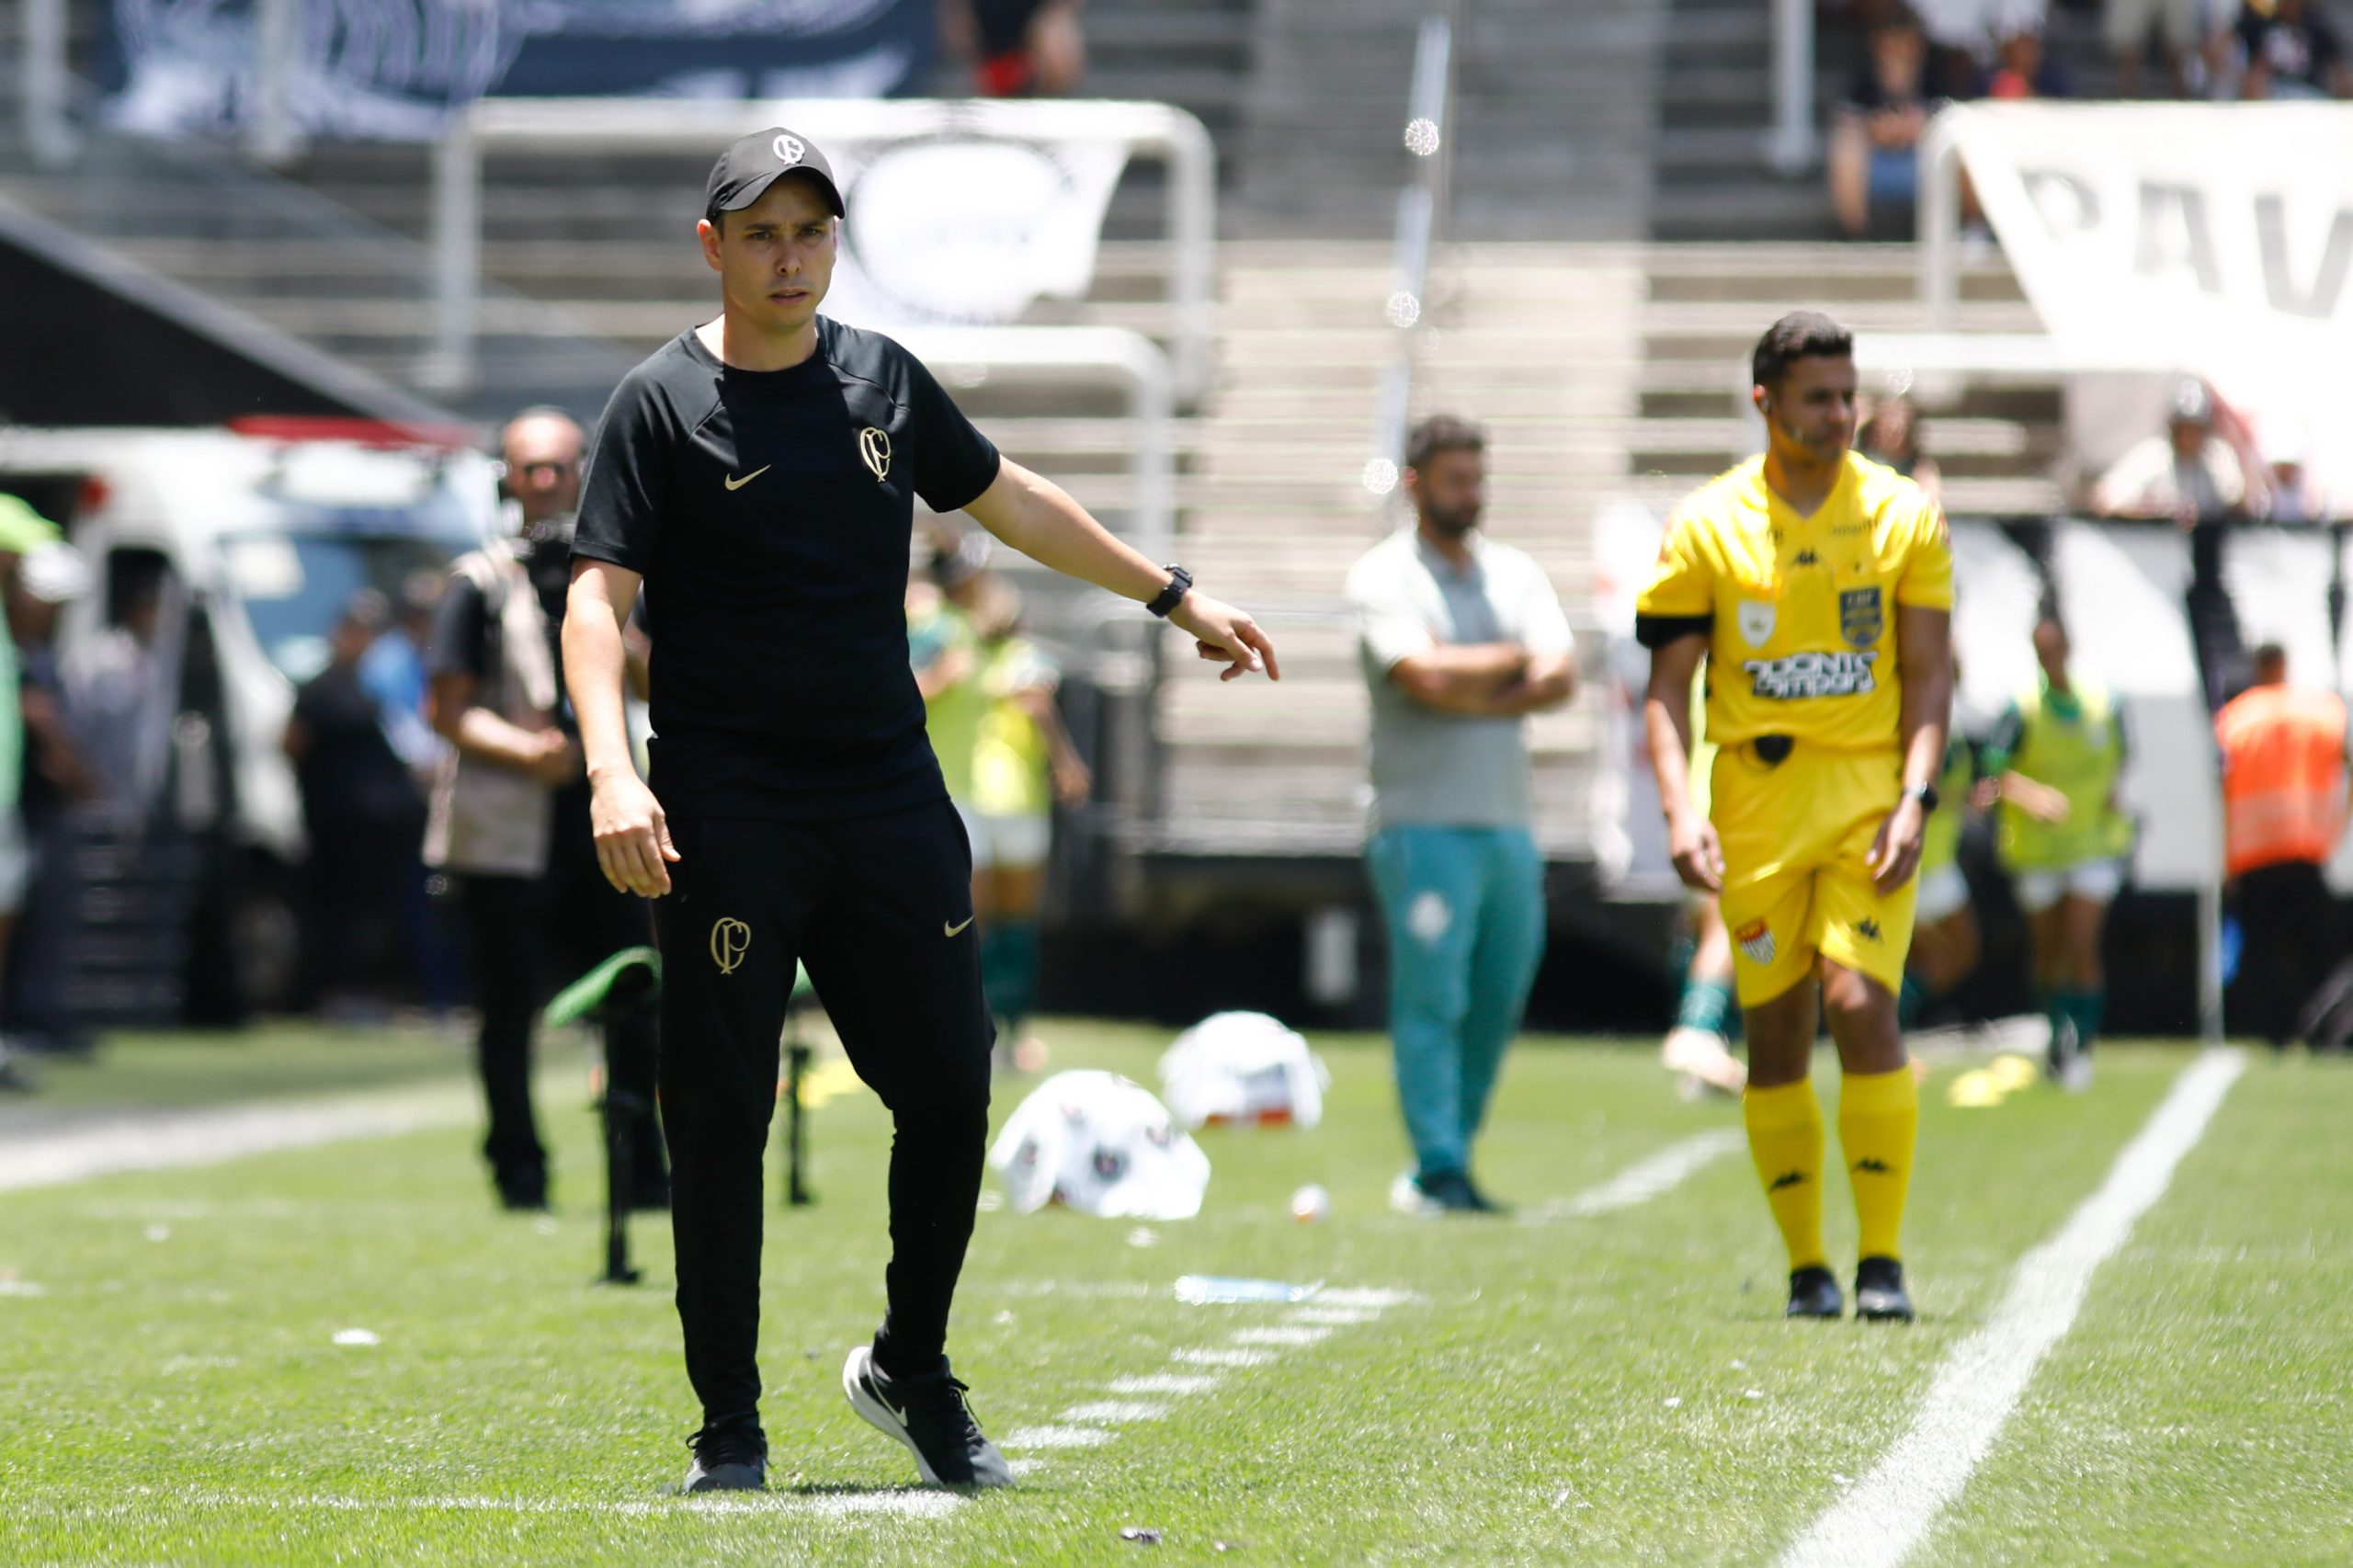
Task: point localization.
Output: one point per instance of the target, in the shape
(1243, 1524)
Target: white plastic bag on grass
(1242, 1068)
(1101, 1144)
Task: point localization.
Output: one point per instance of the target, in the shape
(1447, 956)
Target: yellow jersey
(1799, 612)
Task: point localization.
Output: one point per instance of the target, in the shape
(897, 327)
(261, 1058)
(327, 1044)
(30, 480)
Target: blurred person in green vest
(1023, 763)
(2053, 763)
(1944, 934)
(22, 531)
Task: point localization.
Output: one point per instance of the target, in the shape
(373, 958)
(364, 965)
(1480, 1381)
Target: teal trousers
(1465, 911)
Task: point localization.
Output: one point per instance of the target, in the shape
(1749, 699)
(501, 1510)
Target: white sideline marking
(1642, 1181)
(208, 1137)
(1112, 1412)
(1379, 1298)
(1222, 1357)
(1340, 1316)
(911, 1504)
(1889, 1512)
(1059, 1438)
(1283, 1333)
(1167, 1382)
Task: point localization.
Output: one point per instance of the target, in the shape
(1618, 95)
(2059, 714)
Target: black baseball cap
(754, 162)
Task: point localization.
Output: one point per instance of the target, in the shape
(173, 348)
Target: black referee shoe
(1813, 1293)
(1880, 1296)
(930, 1417)
(729, 1458)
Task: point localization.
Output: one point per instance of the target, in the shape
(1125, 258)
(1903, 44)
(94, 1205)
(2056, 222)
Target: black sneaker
(523, 1192)
(728, 1459)
(1813, 1293)
(930, 1417)
(1880, 1296)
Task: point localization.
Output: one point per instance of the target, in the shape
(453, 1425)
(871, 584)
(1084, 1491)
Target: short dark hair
(1799, 334)
(1443, 433)
(2271, 655)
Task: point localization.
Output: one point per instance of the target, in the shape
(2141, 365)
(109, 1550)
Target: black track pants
(879, 910)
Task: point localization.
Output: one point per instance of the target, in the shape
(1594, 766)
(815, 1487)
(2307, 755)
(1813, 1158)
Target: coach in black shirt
(758, 476)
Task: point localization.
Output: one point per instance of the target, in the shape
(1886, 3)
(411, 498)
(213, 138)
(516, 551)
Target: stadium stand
(1570, 306)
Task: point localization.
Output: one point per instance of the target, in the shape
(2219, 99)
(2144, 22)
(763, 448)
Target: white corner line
(174, 1140)
(1889, 1512)
(1643, 1180)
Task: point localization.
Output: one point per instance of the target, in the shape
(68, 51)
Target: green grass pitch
(1612, 1387)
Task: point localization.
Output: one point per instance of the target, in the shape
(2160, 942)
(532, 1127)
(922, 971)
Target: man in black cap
(758, 475)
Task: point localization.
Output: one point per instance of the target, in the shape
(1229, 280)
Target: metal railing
(1421, 211)
(587, 127)
(1793, 145)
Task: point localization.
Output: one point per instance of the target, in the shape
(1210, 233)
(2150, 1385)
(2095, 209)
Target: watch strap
(1181, 582)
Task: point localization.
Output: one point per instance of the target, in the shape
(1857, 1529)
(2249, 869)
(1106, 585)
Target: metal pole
(42, 79)
(1940, 157)
(274, 137)
(1792, 147)
(457, 256)
(1192, 235)
(796, 1188)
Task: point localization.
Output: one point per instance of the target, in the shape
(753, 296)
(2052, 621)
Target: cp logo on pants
(728, 938)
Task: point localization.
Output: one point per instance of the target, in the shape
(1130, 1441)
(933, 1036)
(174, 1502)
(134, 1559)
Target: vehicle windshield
(294, 580)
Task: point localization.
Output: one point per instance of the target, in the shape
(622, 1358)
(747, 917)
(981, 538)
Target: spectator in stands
(1872, 148)
(2192, 473)
(2295, 498)
(1461, 639)
(2054, 761)
(1020, 49)
(2283, 811)
(1023, 765)
(1892, 436)
(57, 776)
(2177, 23)
(510, 823)
(362, 814)
(2289, 48)
(2021, 69)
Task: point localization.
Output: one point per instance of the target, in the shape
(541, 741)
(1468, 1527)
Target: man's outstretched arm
(1038, 517)
(632, 835)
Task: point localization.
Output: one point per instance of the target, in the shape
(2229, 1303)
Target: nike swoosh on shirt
(735, 483)
(947, 930)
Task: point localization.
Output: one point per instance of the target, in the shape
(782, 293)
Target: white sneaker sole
(878, 1414)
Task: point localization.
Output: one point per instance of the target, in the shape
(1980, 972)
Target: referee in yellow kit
(1819, 585)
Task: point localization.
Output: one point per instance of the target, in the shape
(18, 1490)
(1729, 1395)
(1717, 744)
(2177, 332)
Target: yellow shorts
(1797, 840)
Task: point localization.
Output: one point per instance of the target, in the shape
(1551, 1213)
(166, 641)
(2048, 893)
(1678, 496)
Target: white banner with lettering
(2223, 232)
(966, 229)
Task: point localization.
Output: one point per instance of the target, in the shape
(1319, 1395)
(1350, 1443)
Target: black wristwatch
(1181, 582)
(1925, 794)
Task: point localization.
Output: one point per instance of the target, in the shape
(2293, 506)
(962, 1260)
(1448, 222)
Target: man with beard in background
(1461, 639)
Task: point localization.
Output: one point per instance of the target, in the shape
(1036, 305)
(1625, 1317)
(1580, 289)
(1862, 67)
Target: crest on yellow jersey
(1860, 620)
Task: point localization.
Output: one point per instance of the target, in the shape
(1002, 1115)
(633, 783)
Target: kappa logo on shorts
(1859, 617)
(1756, 940)
(1866, 929)
(729, 940)
(874, 450)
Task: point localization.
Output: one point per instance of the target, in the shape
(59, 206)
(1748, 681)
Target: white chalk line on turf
(1889, 1512)
(908, 1504)
(176, 1138)
(1641, 1182)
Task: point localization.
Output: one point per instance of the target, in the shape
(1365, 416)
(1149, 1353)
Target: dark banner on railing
(391, 70)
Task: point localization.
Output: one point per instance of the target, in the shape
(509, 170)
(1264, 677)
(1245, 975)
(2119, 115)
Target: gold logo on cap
(874, 447)
(789, 150)
(728, 938)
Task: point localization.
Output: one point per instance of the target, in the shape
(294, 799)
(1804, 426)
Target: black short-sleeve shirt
(770, 512)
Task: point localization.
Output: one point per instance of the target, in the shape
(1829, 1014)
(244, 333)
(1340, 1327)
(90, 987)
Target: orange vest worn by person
(2283, 777)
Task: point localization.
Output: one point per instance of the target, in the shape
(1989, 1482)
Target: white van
(224, 558)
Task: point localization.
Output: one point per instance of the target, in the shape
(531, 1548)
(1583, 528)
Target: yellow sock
(1785, 1140)
(1879, 1121)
